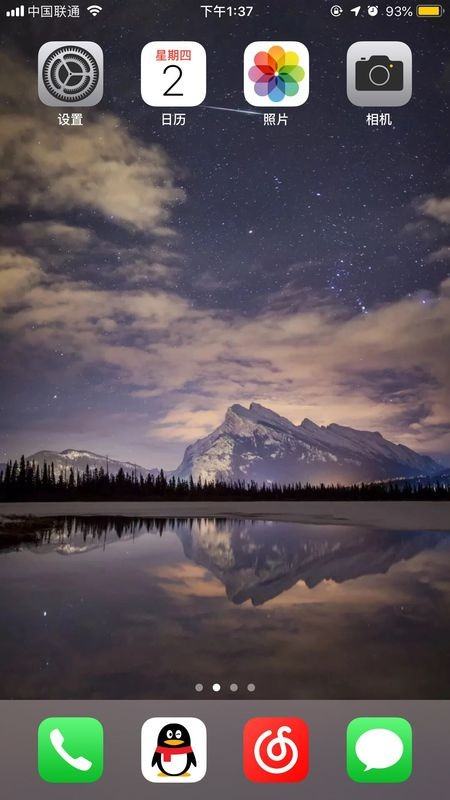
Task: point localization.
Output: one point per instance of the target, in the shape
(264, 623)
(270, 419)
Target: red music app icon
(276, 750)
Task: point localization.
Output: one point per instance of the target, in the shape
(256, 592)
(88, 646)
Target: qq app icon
(379, 74)
(173, 74)
(173, 750)
(276, 750)
(70, 74)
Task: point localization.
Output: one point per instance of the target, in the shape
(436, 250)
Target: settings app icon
(70, 73)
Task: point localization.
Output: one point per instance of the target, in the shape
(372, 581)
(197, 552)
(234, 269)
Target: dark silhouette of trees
(24, 481)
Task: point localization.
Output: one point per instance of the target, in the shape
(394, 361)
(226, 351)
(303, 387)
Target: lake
(113, 607)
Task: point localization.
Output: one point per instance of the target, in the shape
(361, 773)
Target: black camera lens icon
(379, 73)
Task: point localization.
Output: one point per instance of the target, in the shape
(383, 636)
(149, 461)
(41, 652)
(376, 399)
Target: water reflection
(254, 560)
(128, 607)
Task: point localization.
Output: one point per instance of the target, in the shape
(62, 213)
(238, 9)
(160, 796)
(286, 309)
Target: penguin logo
(174, 754)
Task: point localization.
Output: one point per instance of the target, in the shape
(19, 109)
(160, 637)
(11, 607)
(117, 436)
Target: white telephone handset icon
(57, 740)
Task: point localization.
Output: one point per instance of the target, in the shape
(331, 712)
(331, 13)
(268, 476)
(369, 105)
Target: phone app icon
(379, 74)
(70, 74)
(379, 750)
(276, 74)
(173, 750)
(276, 750)
(70, 750)
(173, 74)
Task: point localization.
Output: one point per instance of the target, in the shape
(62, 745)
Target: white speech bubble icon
(379, 748)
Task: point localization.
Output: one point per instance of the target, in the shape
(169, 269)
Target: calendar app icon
(173, 74)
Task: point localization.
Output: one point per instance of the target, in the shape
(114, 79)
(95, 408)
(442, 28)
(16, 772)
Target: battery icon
(429, 11)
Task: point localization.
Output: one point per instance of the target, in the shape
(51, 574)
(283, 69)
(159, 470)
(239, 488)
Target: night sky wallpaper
(152, 276)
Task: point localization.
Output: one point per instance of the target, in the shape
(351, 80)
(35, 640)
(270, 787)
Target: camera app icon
(379, 74)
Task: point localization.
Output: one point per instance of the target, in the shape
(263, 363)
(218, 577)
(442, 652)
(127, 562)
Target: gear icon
(70, 74)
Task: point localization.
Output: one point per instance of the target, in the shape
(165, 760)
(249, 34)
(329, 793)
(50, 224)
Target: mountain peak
(260, 415)
(80, 459)
(309, 425)
(73, 452)
(236, 408)
(345, 429)
(257, 444)
(257, 407)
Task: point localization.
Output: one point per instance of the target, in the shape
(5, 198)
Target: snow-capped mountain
(258, 444)
(79, 459)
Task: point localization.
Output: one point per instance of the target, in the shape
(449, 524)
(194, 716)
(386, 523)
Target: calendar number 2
(169, 92)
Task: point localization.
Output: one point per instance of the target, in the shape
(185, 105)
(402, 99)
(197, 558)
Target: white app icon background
(173, 74)
(149, 740)
(70, 74)
(360, 54)
(250, 93)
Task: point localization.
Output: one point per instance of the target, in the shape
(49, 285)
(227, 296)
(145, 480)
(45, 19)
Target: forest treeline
(24, 481)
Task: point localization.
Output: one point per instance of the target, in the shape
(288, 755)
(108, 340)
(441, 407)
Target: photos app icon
(276, 750)
(276, 74)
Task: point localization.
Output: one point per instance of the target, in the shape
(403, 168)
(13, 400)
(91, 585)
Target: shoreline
(399, 515)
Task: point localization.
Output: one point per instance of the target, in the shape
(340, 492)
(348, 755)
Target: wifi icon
(94, 10)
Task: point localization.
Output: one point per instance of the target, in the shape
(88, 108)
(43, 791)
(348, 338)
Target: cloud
(65, 249)
(386, 370)
(443, 254)
(187, 424)
(53, 233)
(138, 269)
(18, 274)
(432, 227)
(119, 316)
(100, 166)
(437, 208)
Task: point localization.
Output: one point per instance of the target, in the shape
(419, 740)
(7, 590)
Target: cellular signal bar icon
(19, 11)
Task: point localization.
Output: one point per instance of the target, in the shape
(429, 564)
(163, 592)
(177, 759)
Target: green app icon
(70, 750)
(379, 750)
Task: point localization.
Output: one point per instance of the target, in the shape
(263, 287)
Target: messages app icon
(379, 750)
(70, 750)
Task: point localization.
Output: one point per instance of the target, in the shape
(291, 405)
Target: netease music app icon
(276, 750)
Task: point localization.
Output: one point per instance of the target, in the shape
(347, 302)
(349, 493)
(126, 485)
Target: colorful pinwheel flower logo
(276, 74)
